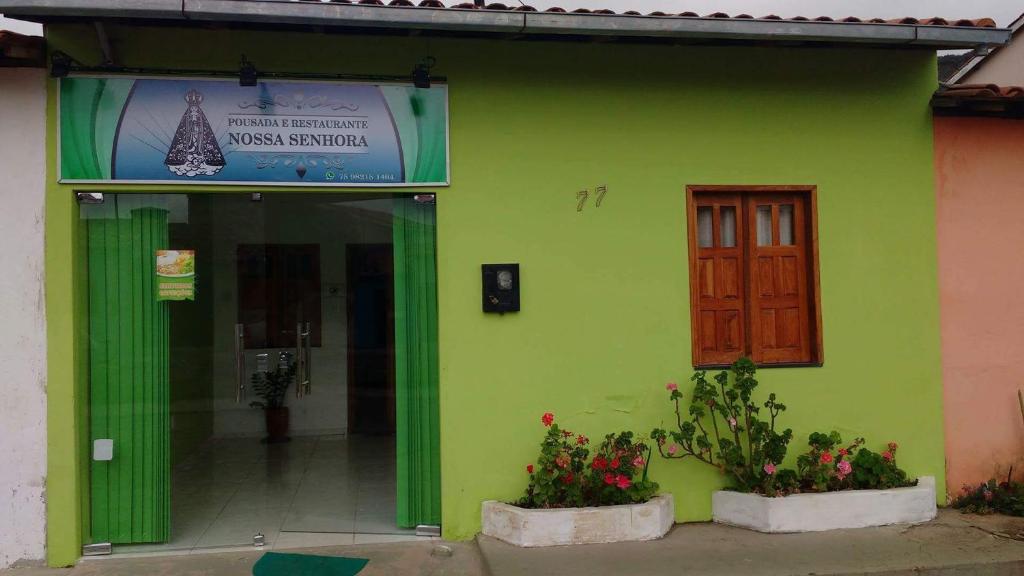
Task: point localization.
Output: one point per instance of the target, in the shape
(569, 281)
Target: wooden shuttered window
(753, 275)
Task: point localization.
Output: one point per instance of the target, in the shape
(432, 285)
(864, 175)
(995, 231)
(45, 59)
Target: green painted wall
(605, 320)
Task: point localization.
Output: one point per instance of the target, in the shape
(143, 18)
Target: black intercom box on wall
(501, 288)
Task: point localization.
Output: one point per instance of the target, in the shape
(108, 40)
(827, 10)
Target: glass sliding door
(418, 433)
(285, 384)
(129, 393)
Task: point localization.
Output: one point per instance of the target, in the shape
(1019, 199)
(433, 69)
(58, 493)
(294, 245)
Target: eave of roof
(497, 18)
(979, 100)
(21, 51)
(978, 61)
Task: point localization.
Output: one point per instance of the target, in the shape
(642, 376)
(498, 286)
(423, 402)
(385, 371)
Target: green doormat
(275, 564)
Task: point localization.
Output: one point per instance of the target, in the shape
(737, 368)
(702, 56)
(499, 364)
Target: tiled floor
(313, 491)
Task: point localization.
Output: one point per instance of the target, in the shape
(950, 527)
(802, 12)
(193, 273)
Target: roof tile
(464, 5)
(984, 91)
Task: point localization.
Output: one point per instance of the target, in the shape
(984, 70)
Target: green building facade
(605, 318)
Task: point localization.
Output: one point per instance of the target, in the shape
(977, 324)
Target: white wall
(1004, 68)
(332, 226)
(22, 308)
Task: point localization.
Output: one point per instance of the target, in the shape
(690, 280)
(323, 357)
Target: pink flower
(887, 455)
(673, 449)
(826, 457)
(732, 423)
(769, 468)
(529, 468)
(562, 460)
(547, 418)
(609, 478)
(638, 461)
(582, 440)
(622, 481)
(843, 469)
(671, 387)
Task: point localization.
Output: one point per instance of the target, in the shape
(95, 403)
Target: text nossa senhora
(322, 140)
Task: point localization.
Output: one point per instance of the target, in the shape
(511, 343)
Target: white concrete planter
(562, 526)
(827, 511)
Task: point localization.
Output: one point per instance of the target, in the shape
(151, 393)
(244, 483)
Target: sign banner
(175, 275)
(286, 133)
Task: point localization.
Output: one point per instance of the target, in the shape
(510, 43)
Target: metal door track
(98, 549)
(428, 530)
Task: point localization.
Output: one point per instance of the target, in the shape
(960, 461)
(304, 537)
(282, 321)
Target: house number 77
(583, 195)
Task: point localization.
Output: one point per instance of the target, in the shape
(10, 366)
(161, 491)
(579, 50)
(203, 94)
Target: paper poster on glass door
(175, 275)
(206, 131)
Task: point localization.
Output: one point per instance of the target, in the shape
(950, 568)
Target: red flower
(826, 457)
(893, 446)
(843, 452)
(566, 433)
(887, 455)
(609, 478)
(599, 463)
(615, 463)
(567, 479)
(622, 481)
(582, 440)
(529, 468)
(547, 418)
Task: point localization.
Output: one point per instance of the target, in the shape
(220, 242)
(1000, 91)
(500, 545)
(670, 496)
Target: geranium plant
(724, 427)
(992, 497)
(565, 476)
(829, 466)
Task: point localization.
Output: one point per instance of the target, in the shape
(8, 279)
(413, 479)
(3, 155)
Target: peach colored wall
(979, 166)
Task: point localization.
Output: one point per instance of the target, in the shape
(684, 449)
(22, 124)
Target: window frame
(810, 194)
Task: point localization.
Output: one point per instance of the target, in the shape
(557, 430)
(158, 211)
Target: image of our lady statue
(194, 150)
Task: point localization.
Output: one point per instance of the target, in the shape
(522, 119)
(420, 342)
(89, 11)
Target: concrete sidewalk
(393, 559)
(953, 544)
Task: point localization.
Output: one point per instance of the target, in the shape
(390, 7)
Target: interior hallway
(312, 491)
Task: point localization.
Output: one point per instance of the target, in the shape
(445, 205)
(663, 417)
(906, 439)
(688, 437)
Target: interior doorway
(282, 304)
(371, 338)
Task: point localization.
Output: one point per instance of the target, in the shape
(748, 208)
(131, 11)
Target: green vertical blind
(416, 371)
(128, 364)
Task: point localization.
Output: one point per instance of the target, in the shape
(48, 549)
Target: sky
(1003, 11)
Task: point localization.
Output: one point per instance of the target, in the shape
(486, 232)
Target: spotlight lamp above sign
(501, 288)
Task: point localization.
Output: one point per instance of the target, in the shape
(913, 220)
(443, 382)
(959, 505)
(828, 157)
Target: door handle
(300, 363)
(239, 363)
(303, 384)
(306, 349)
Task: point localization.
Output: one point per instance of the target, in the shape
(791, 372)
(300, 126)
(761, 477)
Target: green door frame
(68, 450)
